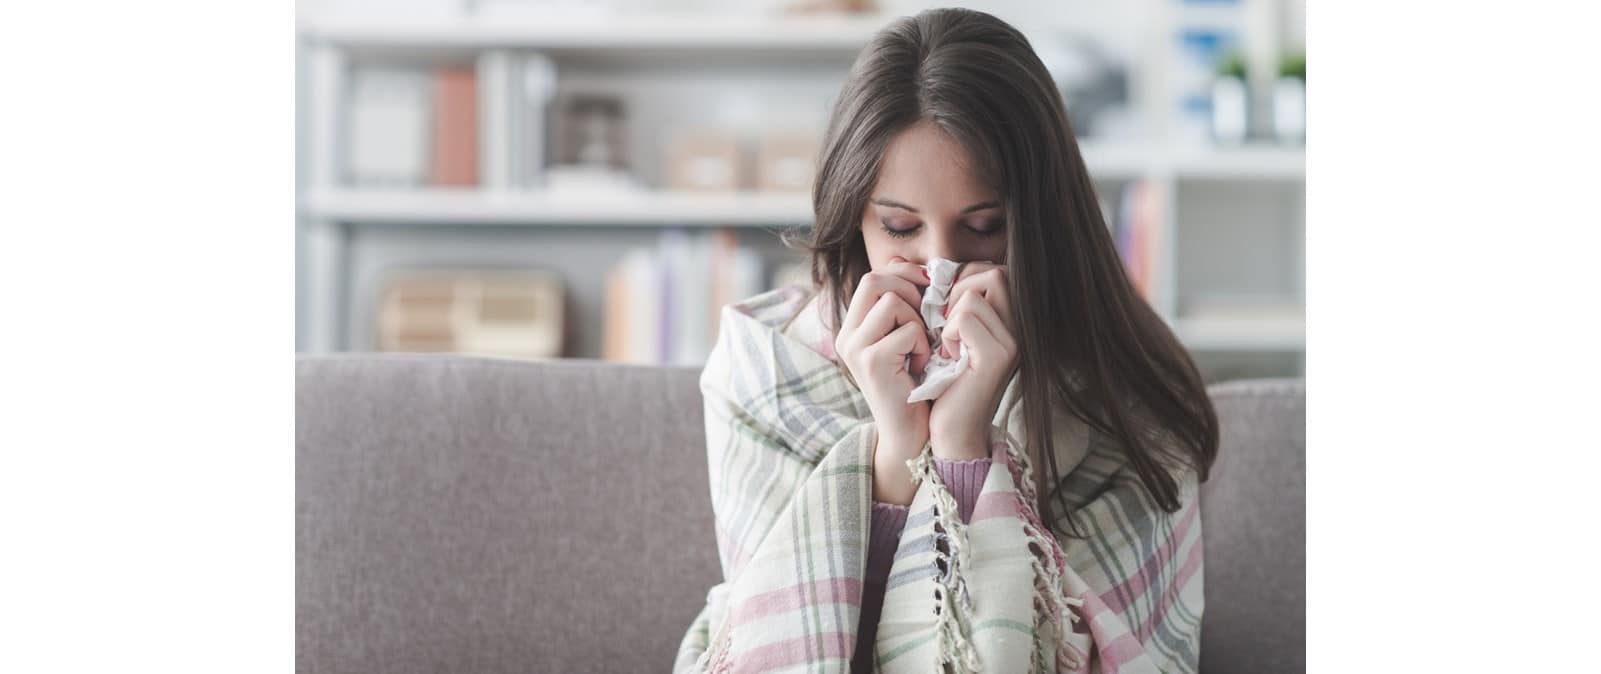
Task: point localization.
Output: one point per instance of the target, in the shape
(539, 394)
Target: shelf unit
(664, 31)
(536, 208)
(330, 214)
(662, 207)
(1237, 334)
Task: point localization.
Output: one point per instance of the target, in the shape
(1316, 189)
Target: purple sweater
(965, 480)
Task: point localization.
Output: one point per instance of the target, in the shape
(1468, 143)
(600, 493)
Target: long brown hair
(1086, 339)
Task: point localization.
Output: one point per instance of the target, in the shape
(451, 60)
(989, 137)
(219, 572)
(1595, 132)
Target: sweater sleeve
(887, 521)
(965, 480)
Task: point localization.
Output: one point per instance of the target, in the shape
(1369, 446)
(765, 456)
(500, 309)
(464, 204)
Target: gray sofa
(464, 514)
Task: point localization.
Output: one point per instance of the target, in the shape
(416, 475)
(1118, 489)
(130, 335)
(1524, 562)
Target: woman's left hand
(979, 313)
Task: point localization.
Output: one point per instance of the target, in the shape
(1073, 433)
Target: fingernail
(946, 312)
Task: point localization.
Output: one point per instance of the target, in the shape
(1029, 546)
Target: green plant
(1293, 65)
(1232, 65)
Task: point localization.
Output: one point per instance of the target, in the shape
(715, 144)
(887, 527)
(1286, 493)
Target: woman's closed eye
(901, 229)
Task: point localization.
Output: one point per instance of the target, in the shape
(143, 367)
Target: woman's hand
(881, 327)
(979, 313)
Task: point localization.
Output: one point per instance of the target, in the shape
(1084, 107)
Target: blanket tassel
(1050, 599)
(955, 602)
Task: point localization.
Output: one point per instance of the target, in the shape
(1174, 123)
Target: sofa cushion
(1253, 527)
(483, 515)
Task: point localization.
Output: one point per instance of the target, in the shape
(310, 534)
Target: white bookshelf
(1242, 334)
(656, 32)
(332, 213)
(1248, 162)
(446, 206)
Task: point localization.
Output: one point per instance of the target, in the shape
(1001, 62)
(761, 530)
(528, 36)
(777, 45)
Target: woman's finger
(892, 278)
(963, 281)
(887, 314)
(908, 338)
(965, 327)
(980, 309)
(988, 281)
(919, 348)
(905, 269)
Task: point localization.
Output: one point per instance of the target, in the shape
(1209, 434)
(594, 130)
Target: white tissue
(941, 371)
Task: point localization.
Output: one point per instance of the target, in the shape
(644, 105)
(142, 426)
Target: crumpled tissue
(941, 371)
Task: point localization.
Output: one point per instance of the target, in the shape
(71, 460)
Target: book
(639, 325)
(496, 127)
(614, 343)
(455, 127)
(673, 246)
(1126, 231)
(388, 122)
(692, 339)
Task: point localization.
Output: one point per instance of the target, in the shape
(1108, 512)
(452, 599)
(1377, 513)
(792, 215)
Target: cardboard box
(509, 314)
(786, 162)
(705, 160)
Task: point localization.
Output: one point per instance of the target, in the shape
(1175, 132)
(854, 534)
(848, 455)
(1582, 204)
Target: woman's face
(926, 204)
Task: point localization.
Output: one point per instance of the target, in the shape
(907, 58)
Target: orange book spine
(455, 140)
(616, 328)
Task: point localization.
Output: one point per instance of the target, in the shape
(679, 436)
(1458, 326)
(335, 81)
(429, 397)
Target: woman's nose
(922, 258)
(929, 251)
(938, 244)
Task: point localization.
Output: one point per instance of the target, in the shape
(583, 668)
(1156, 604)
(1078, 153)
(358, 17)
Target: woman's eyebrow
(975, 207)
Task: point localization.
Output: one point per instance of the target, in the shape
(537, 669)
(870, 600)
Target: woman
(1039, 514)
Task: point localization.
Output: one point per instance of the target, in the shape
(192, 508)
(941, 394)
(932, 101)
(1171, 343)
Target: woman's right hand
(881, 327)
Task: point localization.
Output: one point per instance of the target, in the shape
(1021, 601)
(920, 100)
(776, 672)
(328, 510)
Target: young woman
(1039, 514)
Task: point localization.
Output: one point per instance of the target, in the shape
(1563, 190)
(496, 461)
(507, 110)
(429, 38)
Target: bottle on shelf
(1289, 100)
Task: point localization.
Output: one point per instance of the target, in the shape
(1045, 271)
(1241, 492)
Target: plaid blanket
(789, 443)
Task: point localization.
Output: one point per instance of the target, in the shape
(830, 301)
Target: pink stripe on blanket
(1115, 650)
(767, 657)
(1192, 563)
(1135, 585)
(1123, 650)
(994, 504)
(826, 591)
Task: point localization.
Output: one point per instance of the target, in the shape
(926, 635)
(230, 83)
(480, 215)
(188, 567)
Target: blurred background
(564, 179)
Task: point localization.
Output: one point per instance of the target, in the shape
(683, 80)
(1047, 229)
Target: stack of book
(508, 313)
(663, 305)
